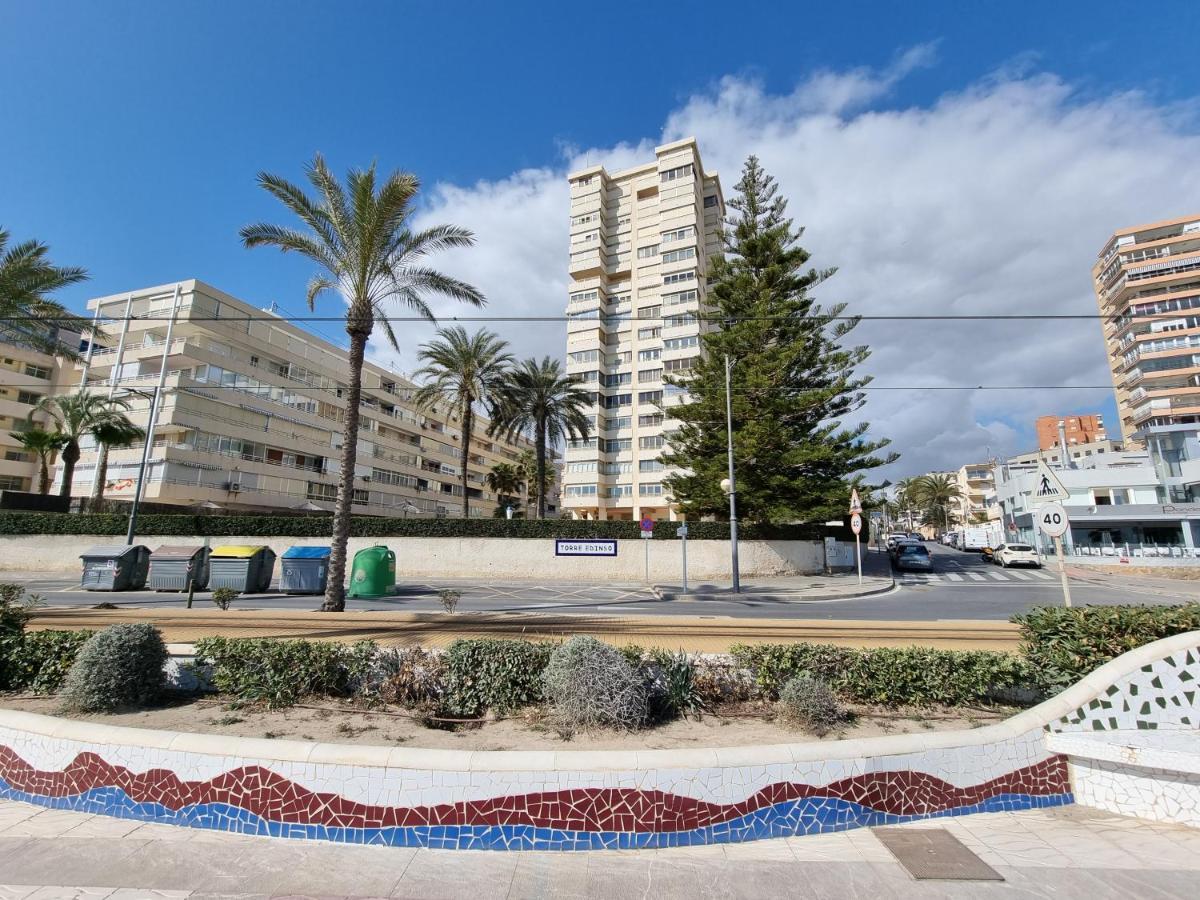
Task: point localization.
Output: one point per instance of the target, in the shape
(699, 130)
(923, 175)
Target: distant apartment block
(1147, 282)
(252, 415)
(26, 376)
(1078, 430)
(977, 493)
(640, 244)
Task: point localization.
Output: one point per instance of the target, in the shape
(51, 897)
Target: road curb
(767, 596)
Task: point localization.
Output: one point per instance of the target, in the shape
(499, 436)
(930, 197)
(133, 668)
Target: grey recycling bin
(175, 567)
(115, 567)
(304, 570)
(246, 568)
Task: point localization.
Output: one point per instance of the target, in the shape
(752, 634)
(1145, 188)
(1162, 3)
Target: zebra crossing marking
(997, 576)
(954, 576)
(975, 577)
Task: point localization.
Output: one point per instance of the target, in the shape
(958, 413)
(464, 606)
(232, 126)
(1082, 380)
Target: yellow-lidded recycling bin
(246, 568)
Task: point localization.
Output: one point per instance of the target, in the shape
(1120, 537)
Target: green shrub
(42, 659)
(673, 689)
(808, 703)
(281, 673)
(1062, 645)
(411, 677)
(590, 684)
(888, 675)
(485, 673)
(383, 527)
(224, 597)
(119, 667)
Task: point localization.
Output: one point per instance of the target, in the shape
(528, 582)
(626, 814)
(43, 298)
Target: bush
(383, 527)
(42, 659)
(281, 673)
(485, 673)
(673, 689)
(224, 597)
(590, 684)
(410, 677)
(808, 703)
(121, 666)
(914, 676)
(14, 613)
(1062, 645)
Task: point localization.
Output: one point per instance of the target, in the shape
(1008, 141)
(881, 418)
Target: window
(588, 444)
(618, 423)
(618, 400)
(681, 365)
(28, 397)
(647, 252)
(12, 483)
(650, 490)
(676, 173)
(653, 442)
(710, 201)
(586, 238)
(621, 490)
(617, 445)
(679, 234)
(586, 377)
(618, 379)
(36, 371)
(676, 321)
(585, 218)
(650, 421)
(584, 182)
(16, 456)
(645, 333)
(650, 375)
(584, 356)
(679, 277)
(680, 297)
(616, 468)
(648, 355)
(580, 490)
(649, 312)
(319, 491)
(650, 397)
(650, 465)
(585, 296)
(677, 255)
(619, 359)
(681, 343)
(581, 467)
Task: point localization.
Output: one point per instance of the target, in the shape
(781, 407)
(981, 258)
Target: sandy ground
(336, 722)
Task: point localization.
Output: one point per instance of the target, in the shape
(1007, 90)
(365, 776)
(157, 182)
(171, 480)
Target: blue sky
(133, 131)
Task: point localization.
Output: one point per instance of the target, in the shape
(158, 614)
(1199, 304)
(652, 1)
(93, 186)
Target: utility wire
(865, 317)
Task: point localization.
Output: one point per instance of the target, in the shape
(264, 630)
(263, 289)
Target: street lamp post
(146, 450)
(729, 485)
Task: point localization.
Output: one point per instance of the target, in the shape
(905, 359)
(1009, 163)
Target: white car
(895, 538)
(1016, 555)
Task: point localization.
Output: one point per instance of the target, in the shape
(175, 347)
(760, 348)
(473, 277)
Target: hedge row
(113, 524)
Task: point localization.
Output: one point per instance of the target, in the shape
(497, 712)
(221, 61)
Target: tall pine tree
(793, 381)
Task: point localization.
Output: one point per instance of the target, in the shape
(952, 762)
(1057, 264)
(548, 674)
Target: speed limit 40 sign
(1052, 519)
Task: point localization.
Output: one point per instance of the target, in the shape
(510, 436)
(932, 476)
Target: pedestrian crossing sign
(1047, 486)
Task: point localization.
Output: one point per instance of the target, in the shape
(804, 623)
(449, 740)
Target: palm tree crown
(43, 444)
(360, 236)
(109, 435)
(462, 371)
(76, 416)
(934, 496)
(504, 480)
(27, 279)
(538, 398)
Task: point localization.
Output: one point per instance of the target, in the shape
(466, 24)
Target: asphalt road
(961, 586)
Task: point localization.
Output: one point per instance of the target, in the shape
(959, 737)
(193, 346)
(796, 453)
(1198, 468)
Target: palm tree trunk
(101, 477)
(335, 590)
(468, 425)
(70, 456)
(43, 474)
(541, 470)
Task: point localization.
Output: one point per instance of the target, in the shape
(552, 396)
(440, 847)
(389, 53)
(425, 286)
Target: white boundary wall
(499, 558)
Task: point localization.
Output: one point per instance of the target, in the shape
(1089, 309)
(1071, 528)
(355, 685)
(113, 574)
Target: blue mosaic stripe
(810, 815)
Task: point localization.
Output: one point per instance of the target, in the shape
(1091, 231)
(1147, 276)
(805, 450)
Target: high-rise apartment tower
(641, 242)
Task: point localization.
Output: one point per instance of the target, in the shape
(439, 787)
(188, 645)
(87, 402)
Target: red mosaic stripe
(267, 794)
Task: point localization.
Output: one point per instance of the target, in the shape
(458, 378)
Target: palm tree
(111, 435)
(360, 236)
(539, 398)
(462, 371)
(504, 480)
(527, 471)
(27, 279)
(77, 415)
(934, 494)
(44, 444)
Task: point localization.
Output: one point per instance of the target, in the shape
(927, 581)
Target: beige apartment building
(1147, 282)
(977, 493)
(640, 244)
(252, 412)
(26, 375)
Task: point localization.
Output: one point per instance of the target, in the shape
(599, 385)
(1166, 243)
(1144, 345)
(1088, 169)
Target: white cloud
(993, 199)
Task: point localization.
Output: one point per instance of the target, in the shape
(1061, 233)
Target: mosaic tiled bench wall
(541, 800)
(1134, 748)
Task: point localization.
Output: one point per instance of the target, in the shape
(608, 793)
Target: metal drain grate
(934, 854)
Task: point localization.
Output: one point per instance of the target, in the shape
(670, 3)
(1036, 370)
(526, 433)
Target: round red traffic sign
(856, 523)
(647, 524)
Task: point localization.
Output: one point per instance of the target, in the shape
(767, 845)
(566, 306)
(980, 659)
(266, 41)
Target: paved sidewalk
(1183, 589)
(1067, 852)
(877, 579)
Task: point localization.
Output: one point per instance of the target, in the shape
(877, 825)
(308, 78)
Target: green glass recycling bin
(373, 573)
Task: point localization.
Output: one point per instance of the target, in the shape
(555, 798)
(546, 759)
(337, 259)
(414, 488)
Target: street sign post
(682, 532)
(1048, 488)
(856, 527)
(1052, 520)
(647, 533)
